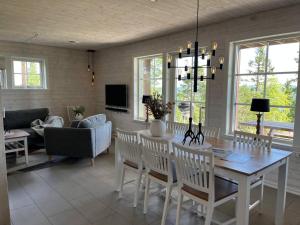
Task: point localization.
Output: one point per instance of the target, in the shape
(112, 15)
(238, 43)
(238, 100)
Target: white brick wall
(68, 80)
(115, 65)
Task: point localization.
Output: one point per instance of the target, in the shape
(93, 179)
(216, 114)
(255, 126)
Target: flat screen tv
(116, 95)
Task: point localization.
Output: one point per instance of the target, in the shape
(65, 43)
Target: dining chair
(159, 169)
(176, 128)
(131, 159)
(258, 142)
(197, 181)
(208, 131)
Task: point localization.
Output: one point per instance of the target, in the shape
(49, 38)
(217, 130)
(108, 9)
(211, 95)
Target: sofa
(84, 139)
(21, 119)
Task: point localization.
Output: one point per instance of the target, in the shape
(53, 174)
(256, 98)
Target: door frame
(4, 203)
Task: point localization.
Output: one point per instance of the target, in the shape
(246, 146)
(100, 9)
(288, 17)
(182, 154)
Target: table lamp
(260, 105)
(145, 100)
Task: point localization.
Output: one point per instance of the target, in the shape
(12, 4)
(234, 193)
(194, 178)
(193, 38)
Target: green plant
(157, 108)
(78, 109)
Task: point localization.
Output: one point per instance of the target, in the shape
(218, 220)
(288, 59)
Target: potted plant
(78, 112)
(158, 110)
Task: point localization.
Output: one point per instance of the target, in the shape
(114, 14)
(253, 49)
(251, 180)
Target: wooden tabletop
(240, 158)
(15, 134)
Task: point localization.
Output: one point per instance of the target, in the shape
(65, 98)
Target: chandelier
(205, 53)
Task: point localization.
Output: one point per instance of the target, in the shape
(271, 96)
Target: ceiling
(102, 23)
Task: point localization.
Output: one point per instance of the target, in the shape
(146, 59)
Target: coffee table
(16, 141)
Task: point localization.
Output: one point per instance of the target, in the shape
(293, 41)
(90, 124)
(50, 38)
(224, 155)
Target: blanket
(51, 121)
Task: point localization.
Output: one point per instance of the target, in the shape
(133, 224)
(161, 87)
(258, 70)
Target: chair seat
(161, 176)
(131, 164)
(223, 189)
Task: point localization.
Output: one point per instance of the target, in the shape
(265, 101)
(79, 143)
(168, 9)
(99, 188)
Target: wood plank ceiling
(101, 23)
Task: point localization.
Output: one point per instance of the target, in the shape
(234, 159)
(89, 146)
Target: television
(116, 95)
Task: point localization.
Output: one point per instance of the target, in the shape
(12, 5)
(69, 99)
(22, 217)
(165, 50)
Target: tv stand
(116, 109)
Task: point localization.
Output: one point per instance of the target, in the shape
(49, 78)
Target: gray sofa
(21, 119)
(84, 139)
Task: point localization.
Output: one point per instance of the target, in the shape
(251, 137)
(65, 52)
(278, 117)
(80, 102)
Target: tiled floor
(76, 194)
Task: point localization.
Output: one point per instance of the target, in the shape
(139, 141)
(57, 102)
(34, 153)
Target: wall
(115, 65)
(68, 80)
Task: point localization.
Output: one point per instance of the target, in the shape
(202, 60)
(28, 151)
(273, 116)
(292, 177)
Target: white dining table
(242, 164)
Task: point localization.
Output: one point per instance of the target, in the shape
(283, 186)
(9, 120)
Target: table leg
(242, 217)
(117, 165)
(281, 193)
(26, 151)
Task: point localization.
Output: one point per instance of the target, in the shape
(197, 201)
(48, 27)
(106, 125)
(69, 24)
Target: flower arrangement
(78, 110)
(157, 108)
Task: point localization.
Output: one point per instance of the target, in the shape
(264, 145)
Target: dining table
(238, 162)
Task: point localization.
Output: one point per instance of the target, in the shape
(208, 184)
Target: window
(28, 74)
(149, 80)
(266, 69)
(187, 102)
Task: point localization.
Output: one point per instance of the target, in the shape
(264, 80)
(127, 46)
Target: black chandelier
(203, 52)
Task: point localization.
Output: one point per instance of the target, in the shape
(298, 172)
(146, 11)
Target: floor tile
(71, 217)
(29, 215)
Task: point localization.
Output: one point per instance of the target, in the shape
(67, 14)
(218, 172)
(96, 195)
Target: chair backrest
(129, 146)
(252, 140)
(208, 131)
(176, 128)
(156, 155)
(195, 168)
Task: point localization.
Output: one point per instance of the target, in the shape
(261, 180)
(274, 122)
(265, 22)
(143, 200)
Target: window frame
(43, 73)
(137, 82)
(234, 46)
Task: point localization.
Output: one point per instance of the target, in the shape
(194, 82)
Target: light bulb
(189, 45)
(214, 45)
(221, 60)
(169, 58)
(213, 70)
(180, 52)
(203, 51)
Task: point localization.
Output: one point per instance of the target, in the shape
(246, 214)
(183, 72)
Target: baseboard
(288, 189)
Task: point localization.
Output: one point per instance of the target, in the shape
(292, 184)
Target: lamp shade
(146, 98)
(260, 105)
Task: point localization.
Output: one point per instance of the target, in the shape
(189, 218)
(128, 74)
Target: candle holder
(199, 134)
(189, 133)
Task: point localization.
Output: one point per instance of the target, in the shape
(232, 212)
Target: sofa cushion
(92, 121)
(22, 118)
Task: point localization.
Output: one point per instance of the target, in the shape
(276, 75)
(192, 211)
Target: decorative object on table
(189, 133)
(158, 109)
(260, 105)
(145, 99)
(196, 53)
(199, 135)
(90, 68)
(78, 112)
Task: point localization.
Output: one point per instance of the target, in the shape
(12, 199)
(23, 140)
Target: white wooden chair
(131, 158)
(252, 140)
(197, 181)
(176, 128)
(159, 169)
(260, 142)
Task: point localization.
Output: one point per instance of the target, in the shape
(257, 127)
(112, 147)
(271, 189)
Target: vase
(158, 128)
(78, 116)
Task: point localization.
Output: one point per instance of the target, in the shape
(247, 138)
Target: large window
(266, 69)
(149, 80)
(28, 73)
(187, 102)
